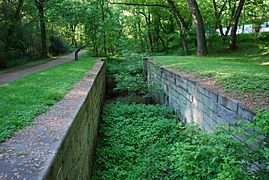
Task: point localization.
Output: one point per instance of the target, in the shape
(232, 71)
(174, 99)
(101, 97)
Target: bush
(10, 58)
(58, 45)
(148, 142)
(128, 74)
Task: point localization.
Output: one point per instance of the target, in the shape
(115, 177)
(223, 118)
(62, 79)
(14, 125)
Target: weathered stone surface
(61, 142)
(245, 113)
(226, 116)
(204, 91)
(228, 102)
(195, 103)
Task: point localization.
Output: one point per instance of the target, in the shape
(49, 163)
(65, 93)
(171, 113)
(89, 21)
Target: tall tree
(177, 18)
(40, 4)
(218, 15)
(234, 24)
(199, 24)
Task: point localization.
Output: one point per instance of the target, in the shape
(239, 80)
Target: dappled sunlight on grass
(239, 74)
(22, 100)
(265, 64)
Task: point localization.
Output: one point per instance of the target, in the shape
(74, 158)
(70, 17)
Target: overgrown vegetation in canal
(138, 140)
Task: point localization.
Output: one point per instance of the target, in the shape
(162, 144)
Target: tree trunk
(199, 24)
(14, 26)
(235, 23)
(103, 30)
(218, 15)
(43, 33)
(149, 34)
(74, 40)
(179, 26)
(140, 34)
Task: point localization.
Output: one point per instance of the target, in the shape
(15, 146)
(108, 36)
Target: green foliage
(255, 135)
(22, 100)
(58, 46)
(128, 74)
(148, 142)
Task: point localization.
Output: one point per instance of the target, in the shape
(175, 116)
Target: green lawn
(237, 73)
(22, 100)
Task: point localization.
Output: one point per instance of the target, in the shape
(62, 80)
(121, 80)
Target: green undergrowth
(22, 100)
(128, 75)
(138, 141)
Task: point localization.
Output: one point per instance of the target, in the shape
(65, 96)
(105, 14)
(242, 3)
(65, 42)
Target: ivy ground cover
(139, 141)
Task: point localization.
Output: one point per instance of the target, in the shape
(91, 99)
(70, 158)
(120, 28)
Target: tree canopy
(108, 27)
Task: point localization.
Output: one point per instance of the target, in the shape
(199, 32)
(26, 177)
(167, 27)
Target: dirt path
(12, 76)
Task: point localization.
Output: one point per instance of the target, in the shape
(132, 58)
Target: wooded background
(33, 29)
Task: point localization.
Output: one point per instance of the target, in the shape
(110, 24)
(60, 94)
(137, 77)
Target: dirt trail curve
(12, 76)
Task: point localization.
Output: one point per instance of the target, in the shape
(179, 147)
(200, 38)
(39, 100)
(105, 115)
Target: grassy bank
(242, 71)
(22, 100)
(236, 73)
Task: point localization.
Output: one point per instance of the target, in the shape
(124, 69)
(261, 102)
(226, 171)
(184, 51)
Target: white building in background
(248, 28)
(265, 27)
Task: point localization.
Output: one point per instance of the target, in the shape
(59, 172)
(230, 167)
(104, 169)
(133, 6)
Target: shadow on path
(12, 76)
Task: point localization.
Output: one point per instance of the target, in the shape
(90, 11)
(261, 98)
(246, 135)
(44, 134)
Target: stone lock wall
(61, 143)
(193, 102)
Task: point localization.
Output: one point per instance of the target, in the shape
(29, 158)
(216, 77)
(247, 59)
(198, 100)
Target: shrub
(10, 58)
(58, 45)
(139, 141)
(128, 75)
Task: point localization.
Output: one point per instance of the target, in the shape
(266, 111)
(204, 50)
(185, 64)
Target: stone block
(191, 89)
(197, 115)
(226, 116)
(191, 83)
(213, 106)
(165, 88)
(181, 83)
(203, 99)
(185, 94)
(213, 97)
(203, 91)
(228, 102)
(245, 113)
(164, 75)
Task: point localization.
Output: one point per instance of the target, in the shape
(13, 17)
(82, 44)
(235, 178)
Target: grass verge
(235, 73)
(22, 100)
(241, 71)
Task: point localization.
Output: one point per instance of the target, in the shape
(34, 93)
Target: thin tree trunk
(218, 15)
(179, 26)
(104, 32)
(74, 41)
(140, 33)
(43, 33)
(149, 38)
(14, 26)
(199, 24)
(234, 24)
